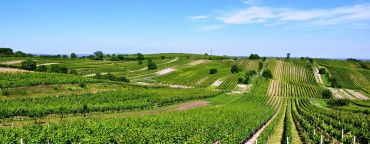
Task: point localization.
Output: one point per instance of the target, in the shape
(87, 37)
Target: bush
(260, 65)
(250, 73)
(140, 62)
(28, 65)
(213, 71)
(82, 85)
(151, 64)
(327, 94)
(5, 93)
(337, 102)
(58, 69)
(322, 71)
(267, 74)
(98, 55)
(73, 72)
(234, 69)
(254, 56)
(42, 68)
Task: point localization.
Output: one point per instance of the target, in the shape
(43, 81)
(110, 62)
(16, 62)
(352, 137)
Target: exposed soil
(13, 62)
(318, 77)
(45, 64)
(12, 70)
(197, 62)
(216, 83)
(165, 71)
(191, 105)
(357, 94)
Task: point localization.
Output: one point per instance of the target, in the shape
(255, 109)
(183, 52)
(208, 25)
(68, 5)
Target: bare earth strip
(191, 105)
(318, 77)
(13, 62)
(341, 94)
(241, 88)
(45, 64)
(217, 83)
(12, 70)
(357, 94)
(277, 135)
(258, 133)
(166, 71)
(197, 62)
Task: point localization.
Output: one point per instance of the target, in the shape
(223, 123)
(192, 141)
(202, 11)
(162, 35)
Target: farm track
(12, 70)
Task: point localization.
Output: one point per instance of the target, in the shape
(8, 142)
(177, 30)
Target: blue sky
(321, 28)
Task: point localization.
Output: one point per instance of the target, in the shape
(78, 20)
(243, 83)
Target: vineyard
(185, 98)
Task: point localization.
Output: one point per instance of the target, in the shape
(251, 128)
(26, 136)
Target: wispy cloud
(356, 14)
(199, 17)
(250, 2)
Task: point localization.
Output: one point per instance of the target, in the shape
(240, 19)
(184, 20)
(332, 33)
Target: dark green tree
(73, 56)
(140, 56)
(234, 69)
(98, 55)
(28, 65)
(327, 94)
(267, 73)
(151, 64)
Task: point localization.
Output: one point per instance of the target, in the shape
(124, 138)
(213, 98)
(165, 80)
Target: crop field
(182, 98)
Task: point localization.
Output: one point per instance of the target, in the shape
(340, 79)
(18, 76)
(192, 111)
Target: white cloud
(198, 17)
(313, 17)
(250, 2)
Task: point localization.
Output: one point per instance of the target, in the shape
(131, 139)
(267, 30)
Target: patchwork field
(183, 98)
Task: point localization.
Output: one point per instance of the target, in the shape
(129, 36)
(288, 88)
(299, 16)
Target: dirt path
(11, 70)
(45, 64)
(318, 77)
(165, 71)
(13, 62)
(357, 94)
(197, 62)
(191, 105)
(258, 133)
(217, 83)
(241, 88)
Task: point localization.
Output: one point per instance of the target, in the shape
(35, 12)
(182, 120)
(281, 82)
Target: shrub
(322, 71)
(28, 65)
(98, 55)
(250, 73)
(82, 85)
(337, 102)
(162, 57)
(42, 68)
(151, 64)
(234, 69)
(327, 94)
(260, 65)
(267, 73)
(5, 93)
(213, 71)
(73, 56)
(58, 69)
(254, 56)
(73, 72)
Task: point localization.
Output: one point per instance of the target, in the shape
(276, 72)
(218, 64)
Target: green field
(185, 98)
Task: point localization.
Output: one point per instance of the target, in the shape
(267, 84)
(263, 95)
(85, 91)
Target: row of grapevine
(229, 123)
(123, 99)
(8, 80)
(278, 88)
(328, 123)
(291, 72)
(351, 78)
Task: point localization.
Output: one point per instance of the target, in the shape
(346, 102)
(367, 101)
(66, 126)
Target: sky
(314, 28)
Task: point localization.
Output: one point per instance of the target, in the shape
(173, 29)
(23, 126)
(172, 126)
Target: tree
(98, 55)
(73, 56)
(288, 56)
(20, 54)
(254, 56)
(327, 94)
(151, 64)
(234, 69)
(250, 73)
(6, 51)
(58, 69)
(213, 71)
(260, 65)
(42, 68)
(267, 73)
(140, 62)
(162, 57)
(121, 57)
(28, 65)
(64, 56)
(322, 71)
(140, 57)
